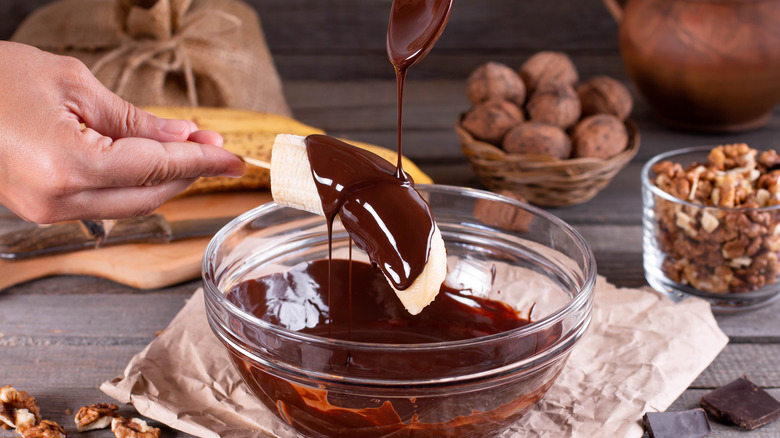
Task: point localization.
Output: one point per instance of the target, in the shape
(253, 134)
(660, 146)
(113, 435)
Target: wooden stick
(255, 161)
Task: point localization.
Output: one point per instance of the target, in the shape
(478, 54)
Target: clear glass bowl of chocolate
(711, 225)
(517, 299)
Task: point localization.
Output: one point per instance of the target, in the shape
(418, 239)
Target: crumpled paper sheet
(639, 354)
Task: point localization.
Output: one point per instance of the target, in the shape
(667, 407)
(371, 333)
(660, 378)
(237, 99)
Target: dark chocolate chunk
(743, 403)
(681, 424)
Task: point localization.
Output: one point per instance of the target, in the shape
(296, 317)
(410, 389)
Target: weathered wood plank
(57, 365)
(751, 327)
(366, 111)
(757, 361)
(13, 12)
(78, 318)
(455, 64)
(473, 25)
(354, 31)
(80, 284)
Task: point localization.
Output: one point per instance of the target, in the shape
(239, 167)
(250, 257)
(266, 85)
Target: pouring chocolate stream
(378, 205)
(413, 29)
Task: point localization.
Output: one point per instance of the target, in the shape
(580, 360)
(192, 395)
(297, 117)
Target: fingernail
(174, 127)
(237, 171)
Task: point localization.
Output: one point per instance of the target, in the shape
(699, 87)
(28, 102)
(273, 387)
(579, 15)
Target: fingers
(141, 162)
(206, 137)
(102, 110)
(122, 202)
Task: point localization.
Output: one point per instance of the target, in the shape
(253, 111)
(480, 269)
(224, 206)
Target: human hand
(125, 162)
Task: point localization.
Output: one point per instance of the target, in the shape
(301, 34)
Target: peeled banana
(252, 134)
(292, 185)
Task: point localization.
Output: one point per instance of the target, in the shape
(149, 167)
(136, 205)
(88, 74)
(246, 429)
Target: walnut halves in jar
(726, 237)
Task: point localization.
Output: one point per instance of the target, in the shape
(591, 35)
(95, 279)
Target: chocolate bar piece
(681, 424)
(743, 403)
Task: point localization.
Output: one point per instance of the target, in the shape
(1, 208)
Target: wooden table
(61, 337)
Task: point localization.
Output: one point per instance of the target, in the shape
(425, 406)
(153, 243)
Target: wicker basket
(543, 180)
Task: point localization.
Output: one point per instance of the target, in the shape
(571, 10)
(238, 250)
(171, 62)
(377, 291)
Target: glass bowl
(727, 256)
(498, 248)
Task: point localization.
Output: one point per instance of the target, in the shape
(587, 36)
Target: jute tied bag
(165, 52)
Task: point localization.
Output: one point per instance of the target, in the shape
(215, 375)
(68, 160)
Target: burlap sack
(165, 52)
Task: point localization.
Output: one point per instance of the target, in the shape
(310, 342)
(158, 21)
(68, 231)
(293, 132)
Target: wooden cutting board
(142, 265)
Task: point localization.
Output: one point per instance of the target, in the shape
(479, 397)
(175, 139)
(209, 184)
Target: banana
(233, 120)
(252, 134)
(292, 185)
(425, 287)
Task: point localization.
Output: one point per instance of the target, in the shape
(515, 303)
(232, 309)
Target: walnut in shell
(554, 104)
(538, 139)
(599, 136)
(96, 416)
(133, 428)
(492, 119)
(46, 429)
(494, 80)
(18, 409)
(604, 95)
(543, 67)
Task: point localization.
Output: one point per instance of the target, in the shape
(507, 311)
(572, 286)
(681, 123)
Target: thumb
(114, 117)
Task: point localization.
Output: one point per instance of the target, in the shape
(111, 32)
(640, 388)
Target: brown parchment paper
(639, 354)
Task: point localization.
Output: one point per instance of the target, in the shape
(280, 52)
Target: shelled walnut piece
(46, 429)
(18, 409)
(714, 249)
(96, 416)
(133, 428)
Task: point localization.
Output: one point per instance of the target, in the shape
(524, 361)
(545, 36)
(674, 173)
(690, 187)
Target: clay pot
(711, 65)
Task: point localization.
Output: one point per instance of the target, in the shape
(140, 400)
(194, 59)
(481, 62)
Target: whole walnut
(494, 80)
(604, 95)
(554, 104)
(543, 67)
(492, 119)
(599, 136)
(538, 139)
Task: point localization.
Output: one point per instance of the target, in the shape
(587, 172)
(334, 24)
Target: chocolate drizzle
(413, 28)
(385, 216)
(377, 204)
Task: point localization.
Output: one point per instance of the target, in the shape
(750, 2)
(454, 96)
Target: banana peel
(252, 134)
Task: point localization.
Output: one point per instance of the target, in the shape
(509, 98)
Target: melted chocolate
(296, 300)
(396, 235)
(413, 29)
(385, 216)
(377, 204)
